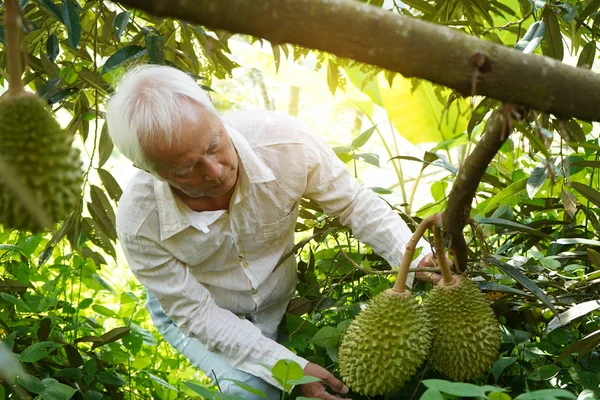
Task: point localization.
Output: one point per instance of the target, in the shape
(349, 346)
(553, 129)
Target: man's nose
(213, 171)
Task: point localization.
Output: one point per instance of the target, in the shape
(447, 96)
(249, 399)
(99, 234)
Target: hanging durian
(40, 170)
(388, 341)
(466, 333)
(385, 344)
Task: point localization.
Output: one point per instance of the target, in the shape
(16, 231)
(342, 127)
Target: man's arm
(192, 309)
(371, 219)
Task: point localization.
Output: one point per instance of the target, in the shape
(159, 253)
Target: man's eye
(184, 172)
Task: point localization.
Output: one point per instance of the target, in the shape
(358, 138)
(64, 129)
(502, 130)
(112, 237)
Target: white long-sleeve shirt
(211, 269)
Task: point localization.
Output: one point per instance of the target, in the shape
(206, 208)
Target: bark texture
(413, 47)
(458, 210)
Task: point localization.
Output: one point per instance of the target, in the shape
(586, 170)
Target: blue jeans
(210, 363)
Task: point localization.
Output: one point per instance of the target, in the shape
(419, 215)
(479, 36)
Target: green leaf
(525, 281)
(114, 334)
(110, 378)
(53, 8)
(155, 48)
(369, 158)
(587, 192)
(569, 202)
(21, 305)
(276, 56)
(421, 5)
(482, 109)
(72, 22)
(327, 336)
(552, 37)
(248, 388)
(587, 56)
(497, 287)
(513, 225)
(54, 390)
(102, 212)
(577, 311)
(587, 242)
(110, 184)
(122, 56)
(591, 8)
(285, 371)
(205, 392)
(94, 231)
(107, 312)
(459, 389)
(52, 48)
(581, 347)
(31, 383)
(162, 382)
(504, 195)
(105, 147)
(501, 364)
(532, 37)
(547, 394)
(536, 179)
(37, 351)
(85, 303)
(71, 373)
(332, 76)
(120, 23)
(303, 380)
(363, 138)
(432, 394)
(544, 372)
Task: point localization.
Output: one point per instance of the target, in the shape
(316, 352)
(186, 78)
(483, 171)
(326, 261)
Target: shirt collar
(172, 210)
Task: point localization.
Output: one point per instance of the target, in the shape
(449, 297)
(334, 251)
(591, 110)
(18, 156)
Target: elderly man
(211, 212)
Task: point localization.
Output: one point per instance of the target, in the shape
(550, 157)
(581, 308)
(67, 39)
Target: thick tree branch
(413, 47)
(457, 212)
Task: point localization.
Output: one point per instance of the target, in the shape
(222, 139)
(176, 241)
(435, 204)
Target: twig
(392, 272)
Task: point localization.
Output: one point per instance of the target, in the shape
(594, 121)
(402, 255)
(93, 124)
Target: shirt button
(245, 264)
(254, 291)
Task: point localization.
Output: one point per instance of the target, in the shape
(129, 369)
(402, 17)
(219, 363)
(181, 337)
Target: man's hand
(317, 389)
(430, 261)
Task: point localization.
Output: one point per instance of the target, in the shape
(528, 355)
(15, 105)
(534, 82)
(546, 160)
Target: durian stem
(12, 23)
(411, 246)
(438, 242)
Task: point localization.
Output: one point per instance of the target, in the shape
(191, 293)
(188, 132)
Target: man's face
(202, 161)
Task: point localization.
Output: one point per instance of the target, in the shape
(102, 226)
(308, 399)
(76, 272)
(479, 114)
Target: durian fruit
(42, 161)
(385, 344)
(466, 333)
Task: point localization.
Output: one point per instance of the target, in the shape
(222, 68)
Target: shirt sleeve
(371, 219)
(189, 304)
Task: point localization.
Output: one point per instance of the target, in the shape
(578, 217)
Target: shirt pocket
(281, 228)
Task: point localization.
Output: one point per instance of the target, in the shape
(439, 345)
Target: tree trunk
(410, 46)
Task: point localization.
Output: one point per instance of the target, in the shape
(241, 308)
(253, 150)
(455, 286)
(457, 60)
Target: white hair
(146, 107)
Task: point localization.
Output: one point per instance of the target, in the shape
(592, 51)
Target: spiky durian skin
(41, 154)
(384, 345)
(466, 333)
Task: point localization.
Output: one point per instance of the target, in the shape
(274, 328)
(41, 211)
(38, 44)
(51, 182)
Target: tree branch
(410, 46)
(458, 210)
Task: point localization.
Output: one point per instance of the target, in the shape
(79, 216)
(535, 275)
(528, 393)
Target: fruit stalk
(448, 279)
(12, 23)
(411, 246)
